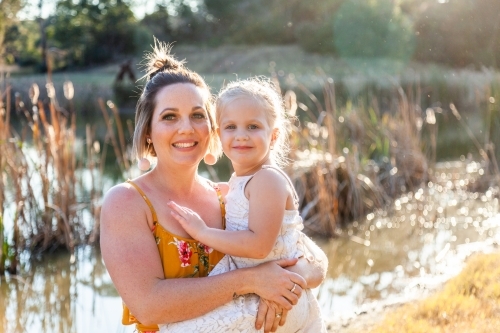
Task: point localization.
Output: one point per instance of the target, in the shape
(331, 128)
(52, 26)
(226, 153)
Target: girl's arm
(133, 262)
(268, 193)
(313, 267)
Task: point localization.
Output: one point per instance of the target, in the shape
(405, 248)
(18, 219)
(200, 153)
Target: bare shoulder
(121, 194)
(270, 179)
(120, 202)
(224, 188)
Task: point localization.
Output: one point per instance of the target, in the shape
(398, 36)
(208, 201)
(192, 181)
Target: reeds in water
(49, 190)
(352, 160)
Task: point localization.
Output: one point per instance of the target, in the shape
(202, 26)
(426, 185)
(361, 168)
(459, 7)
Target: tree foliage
(8, 11)
(460, 33)
(373, 29)
(93, 32)
(85, 32)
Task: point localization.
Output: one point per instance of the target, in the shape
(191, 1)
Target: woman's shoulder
(122, 195)
(224, 187)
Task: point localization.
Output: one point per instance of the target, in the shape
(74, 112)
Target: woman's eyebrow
(177, 110)
(169, 109)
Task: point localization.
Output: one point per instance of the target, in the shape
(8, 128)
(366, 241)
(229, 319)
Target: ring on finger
(278, 315)
(293, 288)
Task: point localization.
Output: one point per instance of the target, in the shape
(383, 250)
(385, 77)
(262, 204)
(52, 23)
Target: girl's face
(180, 127)
(246, 135)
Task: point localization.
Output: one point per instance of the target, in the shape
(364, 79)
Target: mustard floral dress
(181, 257)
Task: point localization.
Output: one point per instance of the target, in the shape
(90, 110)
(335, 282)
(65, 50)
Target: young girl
(263, 222)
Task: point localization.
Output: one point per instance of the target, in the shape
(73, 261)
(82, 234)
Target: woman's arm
(312, 267)
(133, 262)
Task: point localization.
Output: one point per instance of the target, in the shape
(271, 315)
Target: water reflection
(407, 251)
(392, 256)
(60, 294)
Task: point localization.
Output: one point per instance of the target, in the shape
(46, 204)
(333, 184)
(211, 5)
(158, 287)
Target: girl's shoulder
(271, 177)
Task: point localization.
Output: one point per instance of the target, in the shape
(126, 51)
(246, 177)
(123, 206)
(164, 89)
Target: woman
(146, 251)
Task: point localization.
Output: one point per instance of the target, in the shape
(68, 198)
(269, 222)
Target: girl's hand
(270, 315)
(188, 219)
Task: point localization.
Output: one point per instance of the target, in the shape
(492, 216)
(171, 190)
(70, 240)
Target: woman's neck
(179, 180)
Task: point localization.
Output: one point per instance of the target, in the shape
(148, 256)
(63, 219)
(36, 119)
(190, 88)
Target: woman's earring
(144, 163)
(209, 159)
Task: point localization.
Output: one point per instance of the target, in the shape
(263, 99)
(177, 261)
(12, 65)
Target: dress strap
(153, 212)
(222, 205)
(295, 195)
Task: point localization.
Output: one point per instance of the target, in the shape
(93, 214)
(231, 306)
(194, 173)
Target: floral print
(185, 252)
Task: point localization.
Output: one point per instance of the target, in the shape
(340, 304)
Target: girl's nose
(241, 136)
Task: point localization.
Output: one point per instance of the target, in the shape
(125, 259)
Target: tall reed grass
(351, 160)
(50, 189)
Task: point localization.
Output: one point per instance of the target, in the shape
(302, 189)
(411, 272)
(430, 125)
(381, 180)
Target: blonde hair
(162, 70)
(263, 91)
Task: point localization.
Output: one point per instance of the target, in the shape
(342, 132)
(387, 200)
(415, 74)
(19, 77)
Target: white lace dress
(239, 315)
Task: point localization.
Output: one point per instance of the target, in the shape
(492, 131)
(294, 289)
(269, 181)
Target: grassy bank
(467, 303)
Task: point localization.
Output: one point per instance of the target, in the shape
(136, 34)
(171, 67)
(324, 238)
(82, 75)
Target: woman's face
(180, 127)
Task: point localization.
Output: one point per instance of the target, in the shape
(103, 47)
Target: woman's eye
(199, 116)
(169, 117)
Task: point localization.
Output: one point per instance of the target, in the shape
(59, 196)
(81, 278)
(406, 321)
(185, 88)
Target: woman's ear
(275, 135)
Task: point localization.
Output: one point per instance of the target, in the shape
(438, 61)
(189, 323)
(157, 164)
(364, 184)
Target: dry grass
(353, 160)
(50, 189)
(468, 303)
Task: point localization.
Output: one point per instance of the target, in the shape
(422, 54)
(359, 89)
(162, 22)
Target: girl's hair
(264, 92)
(162, 70)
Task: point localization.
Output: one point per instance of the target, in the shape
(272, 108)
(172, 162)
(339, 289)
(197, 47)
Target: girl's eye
(253, 126)
(230, 127)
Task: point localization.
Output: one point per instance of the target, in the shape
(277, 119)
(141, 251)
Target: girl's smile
(245, 134)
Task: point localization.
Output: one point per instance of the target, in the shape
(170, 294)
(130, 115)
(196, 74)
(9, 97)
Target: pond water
(395, 255)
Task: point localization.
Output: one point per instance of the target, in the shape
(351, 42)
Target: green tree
(376, 28)
(158, 23)
(93, 32)
(8, 11)
(460, 33)
(21, 43)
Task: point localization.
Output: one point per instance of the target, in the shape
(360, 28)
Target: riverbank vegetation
(350, 156)
(470, 302)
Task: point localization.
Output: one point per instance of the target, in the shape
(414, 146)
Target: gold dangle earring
(144, 163)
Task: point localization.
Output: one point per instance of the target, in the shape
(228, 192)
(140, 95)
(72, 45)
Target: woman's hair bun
(161, 60)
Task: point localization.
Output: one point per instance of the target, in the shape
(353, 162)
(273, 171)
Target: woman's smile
(188, 144)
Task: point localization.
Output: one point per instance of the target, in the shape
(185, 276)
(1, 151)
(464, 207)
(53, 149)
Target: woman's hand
(188, 219)
(270, 315)
(274, 283)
